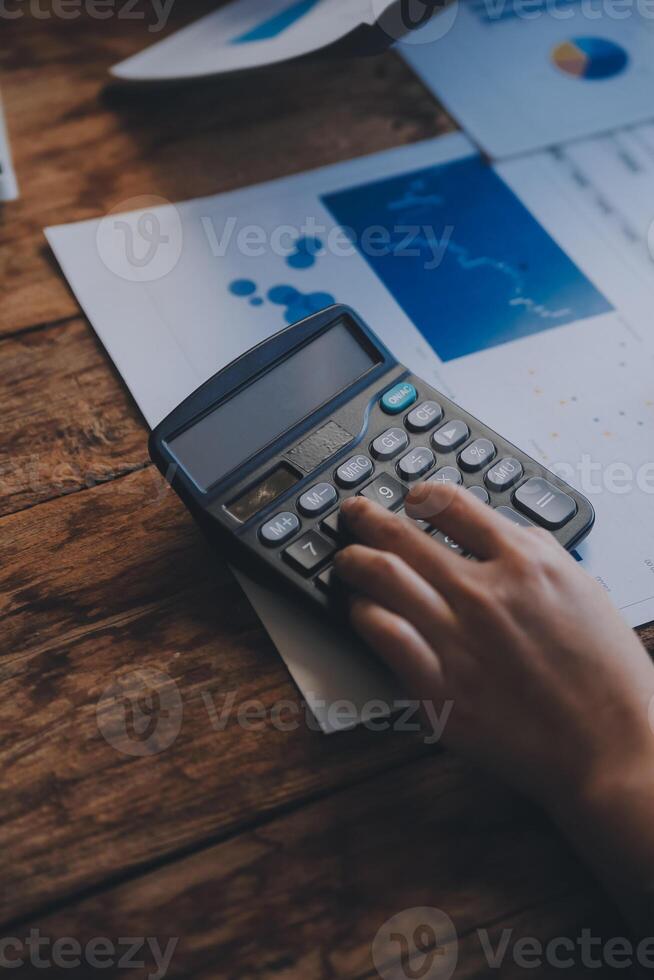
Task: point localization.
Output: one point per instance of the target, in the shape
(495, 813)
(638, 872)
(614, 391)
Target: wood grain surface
(265, 850)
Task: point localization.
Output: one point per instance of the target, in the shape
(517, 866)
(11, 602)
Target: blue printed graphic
(278, 23)
(245, 287)
(466, 261)
(306, 250)
(297, 304)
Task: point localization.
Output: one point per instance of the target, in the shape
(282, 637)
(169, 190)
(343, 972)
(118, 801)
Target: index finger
(458, 513)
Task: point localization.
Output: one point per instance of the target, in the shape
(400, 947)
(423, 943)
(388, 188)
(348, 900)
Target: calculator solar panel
(266, 451)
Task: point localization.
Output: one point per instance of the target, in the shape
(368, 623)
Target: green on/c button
(398, 398)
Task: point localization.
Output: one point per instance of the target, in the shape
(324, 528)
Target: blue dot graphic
(242, 287)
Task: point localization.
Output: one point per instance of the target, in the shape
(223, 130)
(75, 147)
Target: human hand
(548, 685)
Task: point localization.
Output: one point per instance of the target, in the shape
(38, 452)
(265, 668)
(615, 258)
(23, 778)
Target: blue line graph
(467, 262)
(278, 23)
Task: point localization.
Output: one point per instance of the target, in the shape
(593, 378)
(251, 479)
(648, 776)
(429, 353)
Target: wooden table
(267, 853)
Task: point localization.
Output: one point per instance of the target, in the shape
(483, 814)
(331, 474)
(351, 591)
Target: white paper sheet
(522, 75)
(248, 34)
(539, 325)
(8, 185)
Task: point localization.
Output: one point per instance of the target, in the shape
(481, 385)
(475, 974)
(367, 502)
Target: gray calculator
(265, 452)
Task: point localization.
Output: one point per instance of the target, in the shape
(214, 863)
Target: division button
(416, 462)
(545, 503)
(398, 398)
(475, 456)
(450, 436)
(354, 471)
(504, 474)
(309, 552)
(279, 528)
(446, 474)
(513, 516)
(424, 416)
(481, 493)
(390, 443)
(385, 490)
(318, 499)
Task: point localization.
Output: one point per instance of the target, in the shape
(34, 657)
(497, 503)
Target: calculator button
(446, 474)
(398, 398)
(450, 436)
(331, 525)
(279, 528)
(324, 580)
(416, 463)
(309, 552)
(476, 455)
(424, 416)
(390, 443)
(318, 499)
(385, 490)
(354, 471)
(545, 503)
(481, 493)
(448, 542)
(504, 474)
(513, 516)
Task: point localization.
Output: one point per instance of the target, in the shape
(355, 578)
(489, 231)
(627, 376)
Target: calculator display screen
(277, 400)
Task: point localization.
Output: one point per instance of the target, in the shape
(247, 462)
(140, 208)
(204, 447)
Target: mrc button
(545, 503)
(279, 528)
(398, 398)
(353, 471)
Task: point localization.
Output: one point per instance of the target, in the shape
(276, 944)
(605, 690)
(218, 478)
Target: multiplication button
(416, 463)
(389, 444)
(446, 474)
(354, 471)
(279, 528)
(450, 436)
(475, 456)
(545, 503)
(424, 416)
(318, 499)
(385, 490)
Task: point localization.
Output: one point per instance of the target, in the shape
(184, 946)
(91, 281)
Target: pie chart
(591, 58)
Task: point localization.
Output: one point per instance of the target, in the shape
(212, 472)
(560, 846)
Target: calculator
(265, 452)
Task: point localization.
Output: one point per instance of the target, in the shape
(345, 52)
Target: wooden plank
(98, 586)
(305, 895)
(79, 154)
(67, 420)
